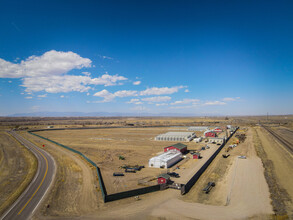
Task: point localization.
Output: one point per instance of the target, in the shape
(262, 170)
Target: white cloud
(228, 99)
(107, 80)
(42, 96)
(186, 90)
(56, 84)
(182, 107)
(61, 96)
(28, 97)
(186, 101)
(161, 104)
(108, 58)
(67, 83)
(125, 93)
(161, 91)
(108, 96)
(215, 103)
(136, 83)
(133, 101)
(10, 81)
(88, 94)
(157, 99)
(48, 73)
(50, 63)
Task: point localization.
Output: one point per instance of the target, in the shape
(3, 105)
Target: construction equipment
(136, 167)
(173, 174)
(118, 174)
(130, 170)
(225, 155)
(208, 188)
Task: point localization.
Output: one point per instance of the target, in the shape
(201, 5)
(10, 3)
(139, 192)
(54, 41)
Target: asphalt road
(26, 204)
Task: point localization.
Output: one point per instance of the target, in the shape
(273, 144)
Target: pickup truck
(173, 174)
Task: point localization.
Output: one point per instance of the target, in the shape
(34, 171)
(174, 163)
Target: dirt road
(280, 165)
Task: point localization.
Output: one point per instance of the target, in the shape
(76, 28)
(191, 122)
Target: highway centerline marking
(39, 185)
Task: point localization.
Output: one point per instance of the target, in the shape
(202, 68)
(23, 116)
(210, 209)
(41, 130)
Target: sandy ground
(247, 192)
(17, 168)
(104, 146)
(74, 195)
(246, 186)
(282, 161)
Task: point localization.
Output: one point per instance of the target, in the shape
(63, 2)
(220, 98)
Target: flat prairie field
(104, 146)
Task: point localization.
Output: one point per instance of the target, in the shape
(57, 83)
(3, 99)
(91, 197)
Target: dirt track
(280, 164)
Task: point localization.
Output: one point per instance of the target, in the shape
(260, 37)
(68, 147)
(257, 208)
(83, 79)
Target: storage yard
(115, 149)
(240, 188)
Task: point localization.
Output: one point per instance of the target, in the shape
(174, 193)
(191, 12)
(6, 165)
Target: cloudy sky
(186, 57)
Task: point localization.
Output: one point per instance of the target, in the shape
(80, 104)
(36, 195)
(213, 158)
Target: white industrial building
(166, 159)
(198, 128)
(176, 136)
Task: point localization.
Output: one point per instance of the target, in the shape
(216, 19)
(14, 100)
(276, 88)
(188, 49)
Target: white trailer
(197, 140)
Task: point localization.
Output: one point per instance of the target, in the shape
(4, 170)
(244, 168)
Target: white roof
(216, 138)
(176, 134)
(167, 155)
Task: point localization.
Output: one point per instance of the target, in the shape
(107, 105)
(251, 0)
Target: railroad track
(287, 144)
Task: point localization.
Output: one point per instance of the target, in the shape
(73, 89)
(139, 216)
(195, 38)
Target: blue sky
(187, 57)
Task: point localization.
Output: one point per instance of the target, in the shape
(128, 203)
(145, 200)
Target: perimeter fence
(106, 197)
(185, 188)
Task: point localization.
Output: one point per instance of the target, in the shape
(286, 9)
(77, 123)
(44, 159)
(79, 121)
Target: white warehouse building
(165, 160)
(198, 128)
(176, 136)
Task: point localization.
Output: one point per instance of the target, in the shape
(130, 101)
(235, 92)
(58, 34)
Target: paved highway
(26, 204)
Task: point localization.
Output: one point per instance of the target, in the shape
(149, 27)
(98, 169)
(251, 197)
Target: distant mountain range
(95, 114)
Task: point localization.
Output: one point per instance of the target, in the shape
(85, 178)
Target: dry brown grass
(280, 197)
(17, 168)
(103, 146)
(73, 192)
